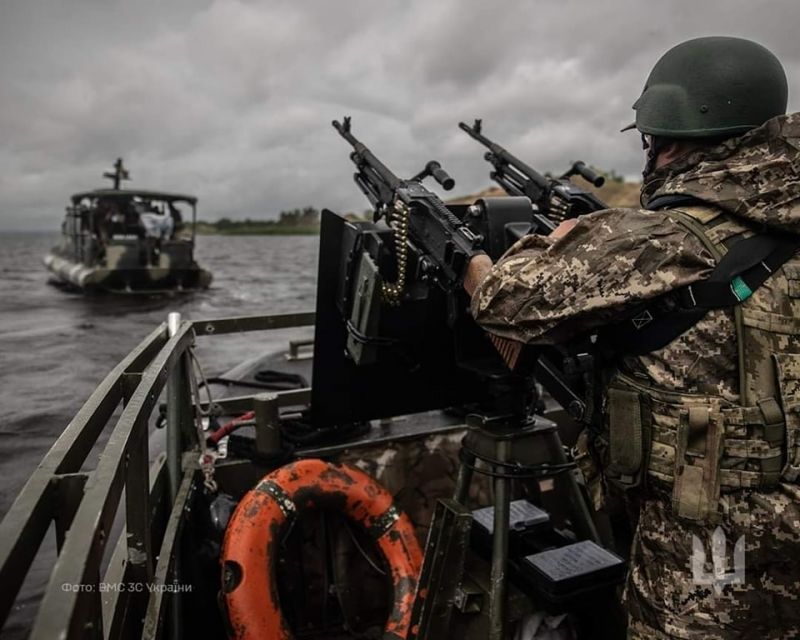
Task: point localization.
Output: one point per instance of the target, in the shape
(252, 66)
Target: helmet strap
(653, 145)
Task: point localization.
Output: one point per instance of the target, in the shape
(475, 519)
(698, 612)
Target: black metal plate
(422, 376)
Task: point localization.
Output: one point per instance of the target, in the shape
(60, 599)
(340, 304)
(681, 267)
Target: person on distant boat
(156, 225)
(177, 219)
(157, 228)
(103, 220)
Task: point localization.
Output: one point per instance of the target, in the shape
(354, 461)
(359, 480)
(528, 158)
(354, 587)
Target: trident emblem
(719, 576)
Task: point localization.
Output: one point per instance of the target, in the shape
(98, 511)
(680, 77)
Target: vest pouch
(629, 438)
(787, 368)
(695, 494)
(792, 272)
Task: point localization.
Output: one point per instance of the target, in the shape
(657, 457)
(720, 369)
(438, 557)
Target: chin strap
(653, 145)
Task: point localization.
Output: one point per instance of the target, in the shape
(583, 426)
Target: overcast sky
(232, 100)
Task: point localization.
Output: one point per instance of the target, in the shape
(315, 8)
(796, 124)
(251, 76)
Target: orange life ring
(249, 552)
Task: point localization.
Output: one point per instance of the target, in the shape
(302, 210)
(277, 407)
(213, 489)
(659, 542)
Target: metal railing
(83, 504)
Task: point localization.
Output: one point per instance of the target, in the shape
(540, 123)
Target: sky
(232, 100)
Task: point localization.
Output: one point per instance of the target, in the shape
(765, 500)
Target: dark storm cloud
(233, 100)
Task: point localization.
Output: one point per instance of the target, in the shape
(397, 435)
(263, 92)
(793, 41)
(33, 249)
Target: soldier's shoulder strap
(739, 271)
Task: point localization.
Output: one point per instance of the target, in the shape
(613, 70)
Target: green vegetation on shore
(295, 222)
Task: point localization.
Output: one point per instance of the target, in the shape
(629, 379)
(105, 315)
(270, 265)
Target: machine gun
(555, 199)
(417, 215)
(433, 243)
(411, 346)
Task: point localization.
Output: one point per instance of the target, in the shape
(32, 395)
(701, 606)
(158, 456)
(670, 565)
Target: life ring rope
(251, 546)
(282, 499)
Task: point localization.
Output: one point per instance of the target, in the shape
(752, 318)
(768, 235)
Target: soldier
(695, 300)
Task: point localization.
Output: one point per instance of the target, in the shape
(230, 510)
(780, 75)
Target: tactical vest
(699, 445)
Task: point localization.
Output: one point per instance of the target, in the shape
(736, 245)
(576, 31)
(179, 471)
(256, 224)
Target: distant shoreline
(254, 229)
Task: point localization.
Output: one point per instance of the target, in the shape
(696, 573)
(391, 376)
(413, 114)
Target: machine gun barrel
(418, 217)
(555, 199)
(362, 157)
(499, 156)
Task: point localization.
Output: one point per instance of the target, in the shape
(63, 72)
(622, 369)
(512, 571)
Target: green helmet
(711, 87)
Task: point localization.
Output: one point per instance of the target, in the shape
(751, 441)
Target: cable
(361, 550)
(363, 338)
(196, 363)
(231, 426)
(304, 434)
(403, 349)
(516, 470)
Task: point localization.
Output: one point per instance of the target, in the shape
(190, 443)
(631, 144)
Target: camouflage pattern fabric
(665, 602)
(546, 290)
(549, 290)
(755, 176)
(419, 472)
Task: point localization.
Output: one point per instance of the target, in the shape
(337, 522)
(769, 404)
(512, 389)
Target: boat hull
(126, 280)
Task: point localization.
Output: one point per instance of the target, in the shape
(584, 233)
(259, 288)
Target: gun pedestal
(508, 447)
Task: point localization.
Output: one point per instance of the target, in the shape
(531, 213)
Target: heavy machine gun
(417, 215)
(555, 199)
(417, 256)
(393, 330)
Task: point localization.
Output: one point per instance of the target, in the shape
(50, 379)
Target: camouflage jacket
(544, 290)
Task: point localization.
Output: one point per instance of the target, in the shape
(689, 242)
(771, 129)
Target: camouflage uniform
(550, 290)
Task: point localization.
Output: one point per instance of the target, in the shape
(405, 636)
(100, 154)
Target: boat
(128, 241)
(387, 478)
(140, 530)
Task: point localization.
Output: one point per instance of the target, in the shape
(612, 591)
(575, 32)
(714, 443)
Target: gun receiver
(555, 199)
(417, 216)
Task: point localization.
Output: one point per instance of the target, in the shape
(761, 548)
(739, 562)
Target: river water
(55, 346)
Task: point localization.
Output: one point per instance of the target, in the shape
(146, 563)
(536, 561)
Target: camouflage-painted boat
(128, 240)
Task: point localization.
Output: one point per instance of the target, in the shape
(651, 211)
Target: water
(55, 347)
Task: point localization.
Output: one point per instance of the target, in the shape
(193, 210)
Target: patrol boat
(257, 505)
(128, 240)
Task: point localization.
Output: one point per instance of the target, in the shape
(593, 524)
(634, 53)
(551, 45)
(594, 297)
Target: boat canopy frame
(80, 230)
(131, 193)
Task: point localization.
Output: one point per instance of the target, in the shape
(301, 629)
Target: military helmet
(711, 87)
